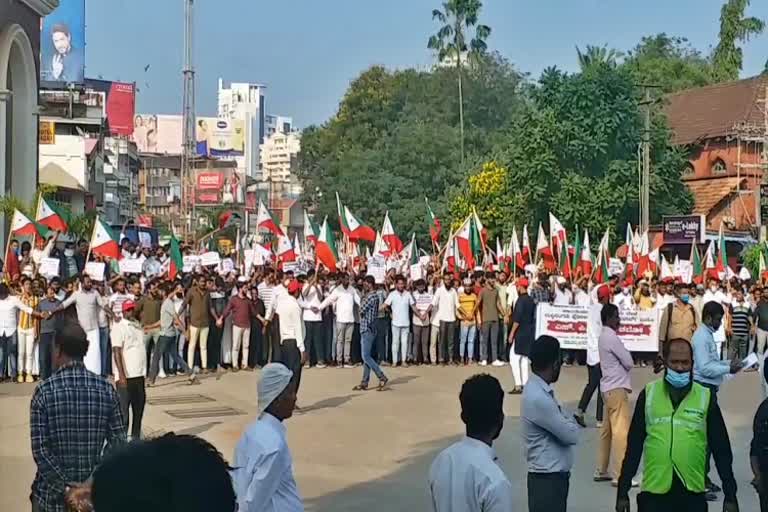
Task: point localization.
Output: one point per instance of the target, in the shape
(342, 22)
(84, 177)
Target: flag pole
(90, 242)
(7, 248)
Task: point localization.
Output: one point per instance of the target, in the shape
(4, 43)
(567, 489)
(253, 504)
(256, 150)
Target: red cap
(523, 281)
(294, 286)
(604, 292)
(128, 305)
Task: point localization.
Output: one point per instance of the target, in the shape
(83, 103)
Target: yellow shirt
(467, 304)
(27, 321)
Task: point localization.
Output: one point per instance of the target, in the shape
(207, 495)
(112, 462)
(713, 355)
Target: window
(719, 167)
(688, 171)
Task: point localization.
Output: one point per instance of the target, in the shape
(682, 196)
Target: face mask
(625, 291)
(69, 253)
(685, 298)
(677, 380)
(713, 289)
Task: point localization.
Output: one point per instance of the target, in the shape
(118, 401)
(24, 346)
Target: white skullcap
(561, 280)
(275, 377)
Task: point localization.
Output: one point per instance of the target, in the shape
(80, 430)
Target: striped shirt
(26, 320)
(740, 315)
(266, 294)
(116, 304)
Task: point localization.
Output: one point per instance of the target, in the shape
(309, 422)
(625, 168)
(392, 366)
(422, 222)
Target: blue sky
(307, 51)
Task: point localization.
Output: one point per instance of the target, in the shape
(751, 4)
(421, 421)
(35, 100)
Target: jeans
(399, 341)
(490, 335)
(446, 340)
(106, 351)
(9, 350)
(166, 345)
(738, 347)
(134, 396)
(150, 343)
(240, 337)
(367, 338)
(421, 343)
(343, 341)
(382, 330)
(46, 354)
(467, 335)
(314, 340)
(593, 383)
(548, 492)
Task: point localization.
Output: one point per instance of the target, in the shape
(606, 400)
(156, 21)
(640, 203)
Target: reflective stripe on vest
(676, 439)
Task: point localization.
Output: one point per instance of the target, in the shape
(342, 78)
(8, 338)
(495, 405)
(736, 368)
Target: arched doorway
(18, 119)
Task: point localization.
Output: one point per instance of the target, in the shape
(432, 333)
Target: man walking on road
(369, 309)
(615, 386)
(549, 432)
(675, 425)
(465, 477)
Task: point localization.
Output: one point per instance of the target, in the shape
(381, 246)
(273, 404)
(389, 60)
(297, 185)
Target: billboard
(62, 44)
(157, 133)
(219, 187)
(120, 104)
(683, 229)
(220, 138)
(47, 131)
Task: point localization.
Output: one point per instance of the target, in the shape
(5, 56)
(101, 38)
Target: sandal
(382, 385)
(360, 387)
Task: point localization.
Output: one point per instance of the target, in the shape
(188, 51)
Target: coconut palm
(735, 28)
(596, 55)
(458, 17)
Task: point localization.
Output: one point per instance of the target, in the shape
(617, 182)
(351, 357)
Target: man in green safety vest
(675, 421)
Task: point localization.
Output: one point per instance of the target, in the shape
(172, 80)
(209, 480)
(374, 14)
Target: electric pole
(645, 174)
(188, 129)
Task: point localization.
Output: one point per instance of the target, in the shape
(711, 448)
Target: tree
(597, 56)
(450, 42)
(735, 28)
(668, 62)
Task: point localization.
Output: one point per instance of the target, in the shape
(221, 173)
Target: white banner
(639, 330)
(49, 267)
(210, 258)
(130, 266)
(377, 269)
(95, 269)
(190, 262)
(615, 267)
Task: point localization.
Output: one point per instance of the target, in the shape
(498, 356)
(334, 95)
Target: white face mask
(69, 253)
(625, 291)
(713, 289)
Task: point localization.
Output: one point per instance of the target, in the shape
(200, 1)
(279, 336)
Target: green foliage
(457, 18)
(668, 62)
(751, 258)
(735, 28)
(597, 56)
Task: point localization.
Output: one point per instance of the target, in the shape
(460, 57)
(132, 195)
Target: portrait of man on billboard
(62, 41)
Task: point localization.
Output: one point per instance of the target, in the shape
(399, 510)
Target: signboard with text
(683, 229)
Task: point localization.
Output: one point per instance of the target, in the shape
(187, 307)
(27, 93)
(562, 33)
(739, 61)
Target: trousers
(166, 345)
(133, 396)
(26, 339)
(344, 341)
(399, 344)
(548, 492)
(46, 354)
(446, 340)
(367, 338)
(9, 350)
(490, 334)
(613, 435)
(519, 366)
(241, 338)
(197, 334)
(421, 343)
(467, 333)
(434, 338)
(290, 356)
(314, 340)
(593, 383)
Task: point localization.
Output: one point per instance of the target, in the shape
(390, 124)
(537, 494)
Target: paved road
(365, 451)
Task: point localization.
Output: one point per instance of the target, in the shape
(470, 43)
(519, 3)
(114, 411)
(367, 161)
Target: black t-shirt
(759, 446)
(525, 316)
(761, 315)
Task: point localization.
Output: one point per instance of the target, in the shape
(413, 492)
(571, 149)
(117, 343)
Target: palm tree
(735, 28)
(597, 55)
(450, 42)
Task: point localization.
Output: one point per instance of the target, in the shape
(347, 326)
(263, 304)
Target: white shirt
(400, 305)
(624, 301)
(662, 301)
(278, 292)
(466, 478)
(447, 302)
(291, 324)
(129, 336)
(593, 334)
(9, 308)
(311, 296)
(345, 300)
(45, 252)
(719, 296)
(563, 297)
(263, 469)
(581, 298)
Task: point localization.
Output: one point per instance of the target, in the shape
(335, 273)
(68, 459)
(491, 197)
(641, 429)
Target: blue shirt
(549, 432)
(369, 309)
(708, 368)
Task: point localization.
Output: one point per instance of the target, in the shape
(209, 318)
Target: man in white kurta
(263, 467)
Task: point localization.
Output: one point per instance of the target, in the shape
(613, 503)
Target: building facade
(160, 186)
(121, 180)
(279, 155)
(275, 124)
(19, 84)
(723, 128)
(245, 102)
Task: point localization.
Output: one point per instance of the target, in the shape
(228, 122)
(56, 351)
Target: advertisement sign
(220, 138)
(47, 131)
(683, 229)
(62, 44)
(639, 330)
(157, 133)
(120, 104)
(219, 187)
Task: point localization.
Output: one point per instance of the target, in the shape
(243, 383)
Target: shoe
(498, 363)
(516, 391)
(615, 483)
(20, 379)
(602, 476)
(599, 424)
(29, 379)
(580, 420)
(483, 363)
(247, 369)
(192, 378)
(348, 366)
(162, 374)
(235, 369)
(320, 365)
(306, 366)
